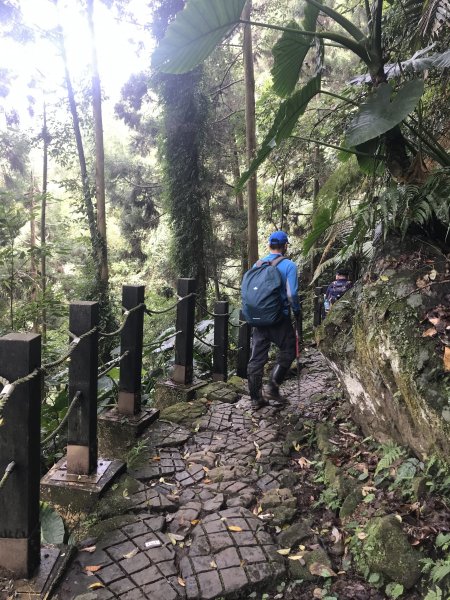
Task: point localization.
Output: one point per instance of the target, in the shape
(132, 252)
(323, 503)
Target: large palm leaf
(194, 34)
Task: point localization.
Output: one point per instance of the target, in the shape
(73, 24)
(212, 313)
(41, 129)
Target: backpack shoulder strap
(276, 261)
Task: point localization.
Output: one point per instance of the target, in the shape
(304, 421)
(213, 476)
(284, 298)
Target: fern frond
(391, 453)
(435, 16)
(440, 571)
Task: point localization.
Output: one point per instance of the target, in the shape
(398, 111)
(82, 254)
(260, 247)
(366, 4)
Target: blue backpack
(261, 286)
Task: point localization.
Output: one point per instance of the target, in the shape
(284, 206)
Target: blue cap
(278, 237)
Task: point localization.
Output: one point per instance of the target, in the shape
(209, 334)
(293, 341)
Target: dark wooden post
(184, 343)
(83, 370)
(220, 354)
(131, 341)
(243, 355)
(20, 441)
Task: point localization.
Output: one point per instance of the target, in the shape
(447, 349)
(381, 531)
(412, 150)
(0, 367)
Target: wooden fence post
(184, 343)
(243, 355)
(83, 371)
(220, 354)
(129, 402)
(20, 441)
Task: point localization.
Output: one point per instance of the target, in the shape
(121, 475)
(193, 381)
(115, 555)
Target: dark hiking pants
(282, 335)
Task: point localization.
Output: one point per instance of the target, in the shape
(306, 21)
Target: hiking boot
(272, 391)
(255, 390)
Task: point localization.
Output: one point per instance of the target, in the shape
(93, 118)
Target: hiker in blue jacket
(281, 333)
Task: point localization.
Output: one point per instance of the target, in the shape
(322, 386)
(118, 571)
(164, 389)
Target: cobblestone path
(199, 517)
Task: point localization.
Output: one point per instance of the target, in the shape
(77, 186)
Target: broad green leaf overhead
(379, 114)
(290, 51)
(354, 31)
(194, 34)
(286, 118)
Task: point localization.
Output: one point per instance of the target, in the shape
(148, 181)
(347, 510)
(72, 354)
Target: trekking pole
(297, 353)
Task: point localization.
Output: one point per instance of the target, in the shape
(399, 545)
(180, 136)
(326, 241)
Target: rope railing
(9, 469)
(159, 342)
(55, 432)
(149, 312)
(198, 338)
(111, 364)
(125, 316)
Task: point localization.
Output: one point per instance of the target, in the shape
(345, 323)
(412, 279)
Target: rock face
(372, 339)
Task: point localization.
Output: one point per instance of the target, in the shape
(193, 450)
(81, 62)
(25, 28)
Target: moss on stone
(393, 377)
(387, 551)
(351, 501)
(299, 571)
(185, 412)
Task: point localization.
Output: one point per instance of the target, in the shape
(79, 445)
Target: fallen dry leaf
(284, 551)
(321, 570)
(367, 488)
(95, 586)
(335, 535)
(156, 458)
(431, 332)
(304, 462)
(234, 528)
(131, 554)
(89, 549)
(181, 582)
(298, 557)
(195, 521)
(447, 359)
(93, 568)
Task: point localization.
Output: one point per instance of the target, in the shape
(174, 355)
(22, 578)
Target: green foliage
(379, 114)
(290, 52)
(286, 119)
(194, 34)
(52, 526)
(329, 498)
(391, 452)
(394, 590)
(437, 472)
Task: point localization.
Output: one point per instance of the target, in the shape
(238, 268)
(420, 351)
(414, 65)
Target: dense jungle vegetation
(145, 141)
(339, 136)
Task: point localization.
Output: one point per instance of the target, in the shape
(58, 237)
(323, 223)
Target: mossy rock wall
(372, 338)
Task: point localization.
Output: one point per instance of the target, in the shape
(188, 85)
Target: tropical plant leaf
(290, 52)
(379, 114)
(288, 114)
(322, 220)
(416, 64)
(52, 526)
(194, 33)
(345, 23)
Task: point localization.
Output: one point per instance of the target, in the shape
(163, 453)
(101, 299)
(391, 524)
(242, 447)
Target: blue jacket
(289, 292)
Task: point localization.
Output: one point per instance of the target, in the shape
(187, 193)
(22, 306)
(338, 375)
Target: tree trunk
(250, 134)
(45, 138)
(82, 161)
(99, 155)
(240, 205)
(33, 266)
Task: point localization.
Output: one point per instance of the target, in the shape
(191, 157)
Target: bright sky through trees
(118, 41)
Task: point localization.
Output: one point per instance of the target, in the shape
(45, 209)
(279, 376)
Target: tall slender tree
(99, 155)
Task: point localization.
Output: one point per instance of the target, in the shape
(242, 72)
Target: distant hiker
(269, 291)
(337, 288)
